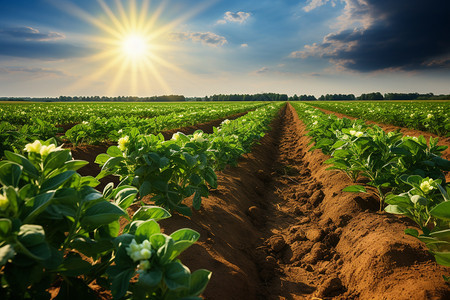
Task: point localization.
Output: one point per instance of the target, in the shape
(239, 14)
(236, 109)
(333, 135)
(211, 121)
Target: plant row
(56, 226)
(20, 113)
(172, 170)
(97, 129)
(405, 172)
(428, 116)
(100, 129)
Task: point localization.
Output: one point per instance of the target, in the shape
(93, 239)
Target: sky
(50, 48)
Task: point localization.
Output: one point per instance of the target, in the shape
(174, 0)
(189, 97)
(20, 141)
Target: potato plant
(55, 224)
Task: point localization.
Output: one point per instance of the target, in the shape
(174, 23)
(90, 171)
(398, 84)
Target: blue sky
(197, 48)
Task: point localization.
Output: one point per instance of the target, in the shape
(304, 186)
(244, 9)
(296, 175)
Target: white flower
(122, 143)
(34, 147)
(359, 134)
(315, 123)
(429, 116)
(4, 202)
(197, 137)
(85, 122)
(176, 136)
(411, 115)
(120, 131)
(426, 185)
(45, 150)
(226, 122)
(139, 251)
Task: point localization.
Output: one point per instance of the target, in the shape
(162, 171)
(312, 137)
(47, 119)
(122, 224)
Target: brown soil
(279, 227)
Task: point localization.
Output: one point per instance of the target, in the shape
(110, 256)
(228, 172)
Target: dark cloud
(27, 42)
(408, 35)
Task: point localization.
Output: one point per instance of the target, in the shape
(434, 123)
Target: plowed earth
(279, 227)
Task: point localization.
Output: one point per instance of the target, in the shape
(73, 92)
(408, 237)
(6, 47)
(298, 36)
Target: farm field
(431, 116)
(277, 224)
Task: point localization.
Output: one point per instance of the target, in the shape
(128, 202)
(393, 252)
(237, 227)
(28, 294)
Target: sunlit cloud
(239, 17)
(207, 38)
(30, 34)
(244, 45)
(313, 4)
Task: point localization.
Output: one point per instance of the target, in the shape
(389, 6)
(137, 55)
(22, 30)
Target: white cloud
(239, 17)
(207, 38)
(313, 4)
(244, 45)
(34, 72)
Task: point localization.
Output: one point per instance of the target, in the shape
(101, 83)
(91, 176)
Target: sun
(135, 46)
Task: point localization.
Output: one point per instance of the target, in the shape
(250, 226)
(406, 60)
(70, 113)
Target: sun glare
(135, 46)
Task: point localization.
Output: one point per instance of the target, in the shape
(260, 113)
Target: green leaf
(411, 231)
(443, 235)
(355, 189)
(125, 197)
(74, 265)
(146, 229)
(55, 160)
(398, 200)
(441, 211)
(101, 213)
(41, 202)
(417, 199)
(151, 212)
(145, 188)
(442, 258)
(395, 209)
(56, 181)
(74, 165)
(191, 160)
(112, 163)
(108, 190)
(120, 283)
(197, 201)
(183, 239)
(176, 276)
(6, 253)
(199, 281)
(151, 278)
(211, 177)
(28, 167)
(114, 151)
(102, 158)
(10, 174)
(5, 228)
(31, 235)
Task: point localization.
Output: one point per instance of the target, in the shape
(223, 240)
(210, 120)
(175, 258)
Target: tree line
(237, 97)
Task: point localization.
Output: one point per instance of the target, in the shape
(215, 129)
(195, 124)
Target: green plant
(55, 224)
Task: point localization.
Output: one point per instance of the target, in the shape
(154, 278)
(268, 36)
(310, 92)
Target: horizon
(191, 48)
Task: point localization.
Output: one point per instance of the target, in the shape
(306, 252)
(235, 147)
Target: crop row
(405, 172)
(72, 113)
(428, 116)
(13, 137)
(99, 129)
(52, 218)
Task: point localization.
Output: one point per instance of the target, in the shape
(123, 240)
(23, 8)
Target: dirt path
(279, 227)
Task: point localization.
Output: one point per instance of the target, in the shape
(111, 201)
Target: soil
(279, 227)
